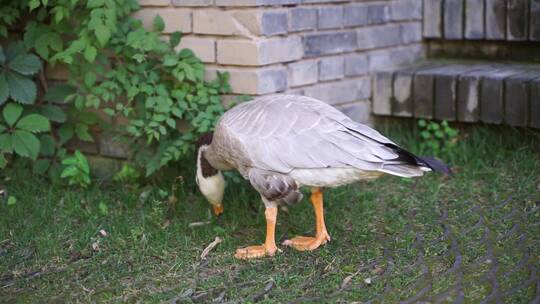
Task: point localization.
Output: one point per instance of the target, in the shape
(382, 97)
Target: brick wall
(325, 49)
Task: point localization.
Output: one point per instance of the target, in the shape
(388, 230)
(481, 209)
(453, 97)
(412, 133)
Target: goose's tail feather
(435, 165)
(420, 161)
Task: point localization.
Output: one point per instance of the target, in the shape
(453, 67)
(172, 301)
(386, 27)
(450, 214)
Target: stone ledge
(461, 90)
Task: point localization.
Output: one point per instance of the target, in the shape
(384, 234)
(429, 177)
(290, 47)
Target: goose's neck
(215, 160)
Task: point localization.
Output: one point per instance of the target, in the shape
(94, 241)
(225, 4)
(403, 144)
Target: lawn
(468, 238)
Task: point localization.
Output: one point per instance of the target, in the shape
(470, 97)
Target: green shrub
(76, 170)
(115, 66)
(437, 137)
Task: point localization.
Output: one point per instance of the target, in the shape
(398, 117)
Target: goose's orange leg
(321, 235)
(269, 247)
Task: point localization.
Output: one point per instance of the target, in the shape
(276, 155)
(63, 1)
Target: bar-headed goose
(283, 142)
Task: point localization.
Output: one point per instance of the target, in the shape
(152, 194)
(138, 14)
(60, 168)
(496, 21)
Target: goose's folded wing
(305, 133)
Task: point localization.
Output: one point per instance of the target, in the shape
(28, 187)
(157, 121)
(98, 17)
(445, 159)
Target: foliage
(439, 137)
(18, 133)
(77, 171)
(115, 66)
(12, 200)
(15, 76)
(128, 174)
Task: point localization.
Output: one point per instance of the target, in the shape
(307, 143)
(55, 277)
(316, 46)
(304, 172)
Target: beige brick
(192, 2)
(217, 22)
(175, 19)
(250, 20)
(254, 81)
(154, 2)
(204, 48)
(244, 23)
(259, 52)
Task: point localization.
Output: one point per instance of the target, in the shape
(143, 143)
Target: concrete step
(514, 20)
(461, 90)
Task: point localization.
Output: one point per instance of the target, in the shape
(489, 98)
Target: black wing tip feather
(436, 165)
(430, 162)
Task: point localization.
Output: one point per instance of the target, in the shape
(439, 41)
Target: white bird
(283, 142)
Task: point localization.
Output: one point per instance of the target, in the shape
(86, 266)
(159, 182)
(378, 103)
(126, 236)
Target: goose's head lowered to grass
(210, 180)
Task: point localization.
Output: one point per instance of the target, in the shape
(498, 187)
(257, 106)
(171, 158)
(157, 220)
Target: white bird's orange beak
(218, 209)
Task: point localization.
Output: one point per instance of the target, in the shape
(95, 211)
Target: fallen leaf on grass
(210, 246)
(95, 246)
(165, 224)
(103, 232)
(347, 281)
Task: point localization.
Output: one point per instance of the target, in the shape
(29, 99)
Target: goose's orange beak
(218, 209)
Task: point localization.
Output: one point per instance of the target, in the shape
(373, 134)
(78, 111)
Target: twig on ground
(210, 246)
(267, 288)
(197, 224)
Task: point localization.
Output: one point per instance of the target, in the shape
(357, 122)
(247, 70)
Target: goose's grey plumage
(282, 142)
(284, 133)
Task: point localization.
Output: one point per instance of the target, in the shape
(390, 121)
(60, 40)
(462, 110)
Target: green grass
(410, 238)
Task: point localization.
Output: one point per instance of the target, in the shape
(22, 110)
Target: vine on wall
(116, 67)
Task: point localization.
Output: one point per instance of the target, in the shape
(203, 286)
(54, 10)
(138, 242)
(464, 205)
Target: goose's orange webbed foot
(304, 243)
(269, 247)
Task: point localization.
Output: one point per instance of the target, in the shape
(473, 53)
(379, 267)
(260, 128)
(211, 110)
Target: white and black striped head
(210, 180)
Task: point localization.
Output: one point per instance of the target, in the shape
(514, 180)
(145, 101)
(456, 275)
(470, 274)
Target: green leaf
(95, 3)
(82, 132)
(12, 112)
(102, 34)
(65, 133)
(12, 200)
(175, 39)
(42, 46)
(41, 166)
(33, 4)
(4, 89)
(59, 93)
(26, 64)
(103, 208)
(25, 144)
(90, 53)
(54, 113)
(14, 49)
(159, 24)
(46, 145)
(6, 143)
(90, 78)
(170, 60)
(34, 123)
(3, 161)
(69, 171)
(82, 162)
(2, 55)
(21, 88)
